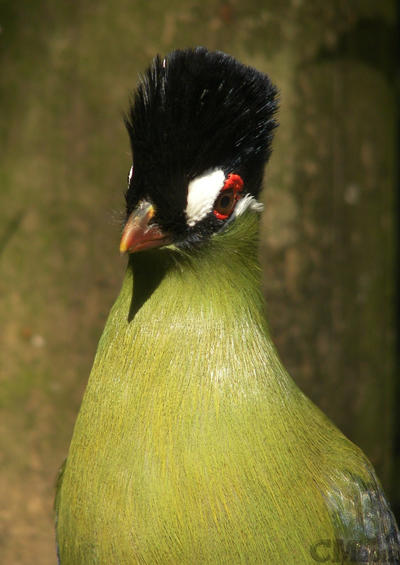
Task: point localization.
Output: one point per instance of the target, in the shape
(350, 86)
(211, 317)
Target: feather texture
(195, 112)
(193, 444)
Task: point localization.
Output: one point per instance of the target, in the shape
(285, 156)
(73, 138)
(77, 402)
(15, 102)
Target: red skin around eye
(235, 183)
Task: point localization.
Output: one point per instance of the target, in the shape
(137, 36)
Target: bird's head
(200, 126)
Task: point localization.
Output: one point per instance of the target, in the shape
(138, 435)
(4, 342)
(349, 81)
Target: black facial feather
(193, 112)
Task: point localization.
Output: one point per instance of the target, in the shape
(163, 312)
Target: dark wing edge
(366, 529)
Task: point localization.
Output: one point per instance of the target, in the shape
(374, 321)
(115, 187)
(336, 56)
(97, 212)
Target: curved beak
(138, 234)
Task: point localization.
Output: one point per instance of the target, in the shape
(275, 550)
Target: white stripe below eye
(248, 202)
(202, 192)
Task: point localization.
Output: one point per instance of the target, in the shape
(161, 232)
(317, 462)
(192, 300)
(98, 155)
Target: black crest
(192, 112)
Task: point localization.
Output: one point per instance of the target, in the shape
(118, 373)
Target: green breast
(192, 444)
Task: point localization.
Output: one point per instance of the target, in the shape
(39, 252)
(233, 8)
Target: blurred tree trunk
(66, 69)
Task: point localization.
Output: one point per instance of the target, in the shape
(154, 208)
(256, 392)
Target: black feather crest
(197, 110)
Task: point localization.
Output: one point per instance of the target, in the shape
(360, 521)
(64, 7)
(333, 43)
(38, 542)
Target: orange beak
(138, 234)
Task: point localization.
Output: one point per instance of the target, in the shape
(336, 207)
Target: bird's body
(193, 445)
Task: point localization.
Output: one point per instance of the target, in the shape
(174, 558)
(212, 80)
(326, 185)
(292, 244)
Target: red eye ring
(233, 186)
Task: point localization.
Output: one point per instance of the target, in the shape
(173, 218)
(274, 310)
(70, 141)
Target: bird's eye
(227, 198)
(224, 204)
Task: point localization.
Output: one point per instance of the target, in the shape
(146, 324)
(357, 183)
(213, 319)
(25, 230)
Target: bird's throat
(189, 326)
(204, 288)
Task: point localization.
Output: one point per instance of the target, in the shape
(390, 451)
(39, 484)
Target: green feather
(193, 445)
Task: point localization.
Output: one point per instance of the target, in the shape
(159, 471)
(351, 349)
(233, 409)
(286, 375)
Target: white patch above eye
(202, 192)
(130, 175)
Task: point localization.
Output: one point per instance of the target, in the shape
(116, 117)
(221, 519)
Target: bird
(193, 445)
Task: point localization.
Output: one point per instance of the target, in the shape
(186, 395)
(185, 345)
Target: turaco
(193, 445)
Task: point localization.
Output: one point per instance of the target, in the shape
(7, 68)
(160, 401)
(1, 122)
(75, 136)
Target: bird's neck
(200, 308)
(217, 283)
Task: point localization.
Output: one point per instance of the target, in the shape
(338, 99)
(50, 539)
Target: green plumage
(193, 445)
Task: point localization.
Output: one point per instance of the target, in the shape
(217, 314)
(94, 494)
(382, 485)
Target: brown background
(328, 231)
